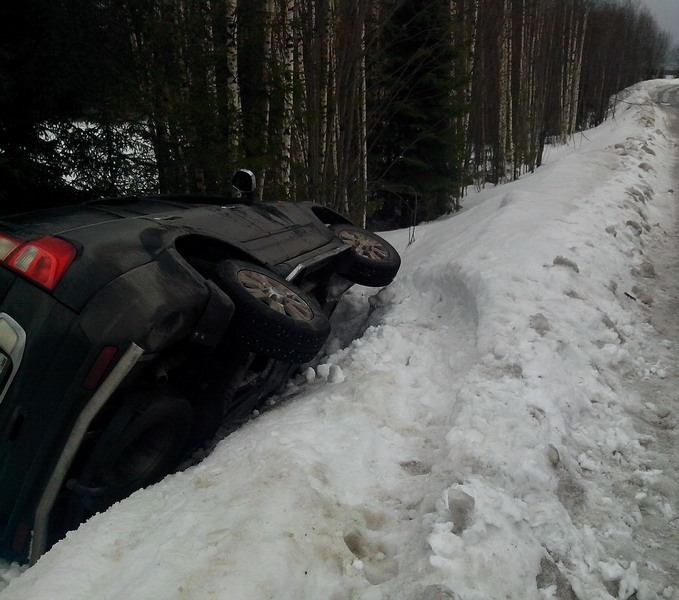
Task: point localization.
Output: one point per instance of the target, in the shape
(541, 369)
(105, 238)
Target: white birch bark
(535, 59)
(268, 43)
(328, 101)
(288, 65)
(232, 85)
(505, 100)
(468, 32)
(224, 29)
(363, 130)
(567, 71)
(577, 70)
(300, 133)
(523, 135)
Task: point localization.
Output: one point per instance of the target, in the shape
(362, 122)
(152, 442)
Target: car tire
(374, 263)
(273, 317)
(149, 445)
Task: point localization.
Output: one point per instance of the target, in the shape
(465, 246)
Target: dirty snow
(499, 423)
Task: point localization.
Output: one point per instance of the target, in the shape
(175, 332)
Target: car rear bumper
(46, 351)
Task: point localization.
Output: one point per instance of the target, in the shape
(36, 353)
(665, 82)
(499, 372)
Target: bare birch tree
(288, 37)
(316, 95)
(227, 89)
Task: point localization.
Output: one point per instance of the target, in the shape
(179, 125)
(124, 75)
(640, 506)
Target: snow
(499, 423)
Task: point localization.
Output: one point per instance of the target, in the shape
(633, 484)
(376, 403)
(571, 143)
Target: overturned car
(131, 328)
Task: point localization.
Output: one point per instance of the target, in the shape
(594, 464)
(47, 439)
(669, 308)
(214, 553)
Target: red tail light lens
(43, 261)
(96, 372)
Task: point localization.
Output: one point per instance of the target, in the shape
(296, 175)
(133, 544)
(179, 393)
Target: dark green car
(131, 328)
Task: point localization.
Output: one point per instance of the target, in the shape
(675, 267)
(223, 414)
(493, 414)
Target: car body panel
(268, 234)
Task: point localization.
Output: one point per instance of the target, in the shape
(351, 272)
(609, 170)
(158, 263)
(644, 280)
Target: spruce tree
(50, 74)
(413, 160)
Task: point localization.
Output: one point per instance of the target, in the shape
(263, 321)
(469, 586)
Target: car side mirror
(245, 184)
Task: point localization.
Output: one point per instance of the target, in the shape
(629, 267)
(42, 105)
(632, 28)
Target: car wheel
(375, 261)
(273, 317)
(147, 447)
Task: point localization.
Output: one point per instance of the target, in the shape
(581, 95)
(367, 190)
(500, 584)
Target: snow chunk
(461, 506)
(327, 372)
(566, 262)
(540, 323)
(335, 374)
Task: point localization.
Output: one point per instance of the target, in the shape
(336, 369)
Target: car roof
(59, 220)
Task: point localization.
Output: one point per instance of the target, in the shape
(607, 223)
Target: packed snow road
(502, 426)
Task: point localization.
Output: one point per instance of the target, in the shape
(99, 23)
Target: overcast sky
(666, 13)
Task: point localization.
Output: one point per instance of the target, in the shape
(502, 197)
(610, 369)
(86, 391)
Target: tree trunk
(288, 67)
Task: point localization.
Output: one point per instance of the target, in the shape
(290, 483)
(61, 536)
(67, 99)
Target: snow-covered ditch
(504, 428)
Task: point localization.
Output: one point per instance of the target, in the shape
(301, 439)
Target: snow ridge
(499, 423)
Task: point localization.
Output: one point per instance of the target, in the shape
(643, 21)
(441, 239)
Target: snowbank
(472, 432)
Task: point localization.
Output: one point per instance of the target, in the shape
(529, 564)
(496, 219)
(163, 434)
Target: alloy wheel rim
(364, 245)
(275, 295)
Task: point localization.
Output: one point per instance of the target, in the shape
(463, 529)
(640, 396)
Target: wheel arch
(203, 252)
(329, 216)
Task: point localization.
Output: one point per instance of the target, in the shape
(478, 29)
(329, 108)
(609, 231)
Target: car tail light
(7, 246)
(100, 366)
(43, 261)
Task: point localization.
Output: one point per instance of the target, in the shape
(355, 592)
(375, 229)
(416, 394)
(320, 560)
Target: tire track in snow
(419, 345)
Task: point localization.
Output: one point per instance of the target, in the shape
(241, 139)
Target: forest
(387, 110)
